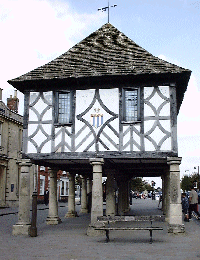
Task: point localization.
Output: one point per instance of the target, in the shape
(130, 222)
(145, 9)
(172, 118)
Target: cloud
(189, 117)
(36, 31)
(33, 32)
(171, 60)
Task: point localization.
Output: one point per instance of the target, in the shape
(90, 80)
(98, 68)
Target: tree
(137, 184)
(148, 187)
(186, 183)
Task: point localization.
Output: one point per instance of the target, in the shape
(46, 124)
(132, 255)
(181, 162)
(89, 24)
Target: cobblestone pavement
(68, 240)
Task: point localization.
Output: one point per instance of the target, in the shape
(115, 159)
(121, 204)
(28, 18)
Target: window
(42, 183)
(130, 105)
(64, 187)
(63, 108)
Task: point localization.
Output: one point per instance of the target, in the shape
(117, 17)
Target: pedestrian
(193, 200)
(185, 207)
(89, 201)
(160, 200)
(46, 197)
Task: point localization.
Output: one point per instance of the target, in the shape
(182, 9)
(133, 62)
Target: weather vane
(105, 8)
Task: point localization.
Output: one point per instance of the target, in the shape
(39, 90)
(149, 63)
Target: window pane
(64, 108)
(131, 107)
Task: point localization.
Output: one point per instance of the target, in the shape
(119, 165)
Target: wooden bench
(106, 221)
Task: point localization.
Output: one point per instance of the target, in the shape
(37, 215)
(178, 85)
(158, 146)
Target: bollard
(33, 228)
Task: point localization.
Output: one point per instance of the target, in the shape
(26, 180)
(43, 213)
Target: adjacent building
(11, 128)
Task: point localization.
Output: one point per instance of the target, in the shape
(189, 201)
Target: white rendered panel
(148, 145)
(110, 98)
(156, 100)
(148, 111)
(166, 125)
(46, 147)
(33, 116)
(58, 137)
(83, 99)
(165, 111)
(31, 148)
(40, 105)
(166, 146)
(164, 90)
(148, 91)
(104, 105)
(47, 115)
(126, 138)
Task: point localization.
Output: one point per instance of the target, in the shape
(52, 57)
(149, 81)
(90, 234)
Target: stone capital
(26, 163)
(94, 161)
(174, 160)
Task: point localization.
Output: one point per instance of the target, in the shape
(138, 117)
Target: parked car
(136, 195)
(198, 197)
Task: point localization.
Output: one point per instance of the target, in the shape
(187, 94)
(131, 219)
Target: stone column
(84, 195)
(163, 195)
(97, 192)
(110, 195)
(53, 218)
(23, 225)
(175, 208)
(71, 198)
(89, 185)
(121, 198)
(97, 196)
(167, 195)
(126, 197)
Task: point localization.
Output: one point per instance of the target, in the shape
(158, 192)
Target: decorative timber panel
(96, 123)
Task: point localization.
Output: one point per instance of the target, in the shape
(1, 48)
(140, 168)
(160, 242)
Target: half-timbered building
(106, 107)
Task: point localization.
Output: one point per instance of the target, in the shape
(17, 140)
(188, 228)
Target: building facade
(11, 128)
(43, 184)
(107, 107)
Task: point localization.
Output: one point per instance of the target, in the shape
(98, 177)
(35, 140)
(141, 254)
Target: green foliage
(148, 187)
(188, 181)
(137, 184)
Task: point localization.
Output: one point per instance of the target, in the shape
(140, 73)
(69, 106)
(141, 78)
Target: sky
(34, 32)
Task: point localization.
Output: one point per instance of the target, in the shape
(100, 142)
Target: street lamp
(198, 182)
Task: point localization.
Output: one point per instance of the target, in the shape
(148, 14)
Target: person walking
(46, 197)
(185, 207)
(193, 200)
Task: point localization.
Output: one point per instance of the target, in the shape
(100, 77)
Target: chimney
(13, 102)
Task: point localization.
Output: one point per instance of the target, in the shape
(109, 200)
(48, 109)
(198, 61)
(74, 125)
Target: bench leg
(151, 240)
(107, 235)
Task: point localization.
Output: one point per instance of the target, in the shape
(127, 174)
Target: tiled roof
(107, 51)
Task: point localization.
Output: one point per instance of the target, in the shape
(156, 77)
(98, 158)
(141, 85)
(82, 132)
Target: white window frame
(42, 179)
(66, 187)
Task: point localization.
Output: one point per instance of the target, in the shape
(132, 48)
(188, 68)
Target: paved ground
(68, 240)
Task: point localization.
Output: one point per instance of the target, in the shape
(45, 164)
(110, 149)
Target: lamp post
(198, 181)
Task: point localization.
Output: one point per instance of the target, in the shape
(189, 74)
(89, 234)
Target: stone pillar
(121, 198)
(97, 192)
(163, 195)
(110, 195)
(71, 198)
(167, 195)
(53, 218)
(175, 208)
(126, 197)
(84, 195)
(23, 225)
(89, 185)
(97, 197)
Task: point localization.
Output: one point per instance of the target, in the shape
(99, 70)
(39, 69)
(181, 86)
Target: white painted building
(107, 107)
